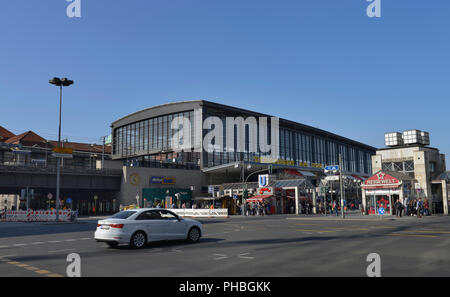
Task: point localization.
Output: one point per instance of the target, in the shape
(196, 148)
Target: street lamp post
(60, 82)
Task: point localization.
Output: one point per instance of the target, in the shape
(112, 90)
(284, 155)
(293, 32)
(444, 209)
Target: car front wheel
(194, 234)
(138, 240)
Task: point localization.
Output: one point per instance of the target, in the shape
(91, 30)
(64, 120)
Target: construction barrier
(201, 212)
(38, 215)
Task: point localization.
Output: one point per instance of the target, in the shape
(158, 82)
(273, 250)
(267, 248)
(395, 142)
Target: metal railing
(52, 170)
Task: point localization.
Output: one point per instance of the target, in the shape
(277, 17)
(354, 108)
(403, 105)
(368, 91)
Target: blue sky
(323, 63)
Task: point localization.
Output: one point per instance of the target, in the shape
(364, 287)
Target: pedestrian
(419, 208)
(335, 208)
(398, 208)
(405, 206)
(426, 208)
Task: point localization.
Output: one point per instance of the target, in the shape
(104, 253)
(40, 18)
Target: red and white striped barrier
(37, 215)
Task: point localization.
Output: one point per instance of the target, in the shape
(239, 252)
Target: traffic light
(245, 194)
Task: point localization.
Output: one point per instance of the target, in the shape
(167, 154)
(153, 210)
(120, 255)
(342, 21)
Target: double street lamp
(59, 82)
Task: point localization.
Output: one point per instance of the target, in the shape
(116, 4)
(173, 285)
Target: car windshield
(123, 214)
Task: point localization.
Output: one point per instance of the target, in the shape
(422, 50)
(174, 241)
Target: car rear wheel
(138, 240)
(194, 234)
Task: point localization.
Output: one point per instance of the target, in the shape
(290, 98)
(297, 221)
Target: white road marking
(220, 256)
(69, 239)
(86, 238)
(38, 242)
(54, 241)
(3, 246)
(242, 256)
(20, 244)
(65, 250)
(7, 256)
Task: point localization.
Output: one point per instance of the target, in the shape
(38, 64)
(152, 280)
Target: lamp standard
(60, 82)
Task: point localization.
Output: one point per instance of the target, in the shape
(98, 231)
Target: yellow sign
(62, 150)
(135, 179)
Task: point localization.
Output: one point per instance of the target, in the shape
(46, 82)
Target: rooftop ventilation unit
(393, 139)
(407, 138)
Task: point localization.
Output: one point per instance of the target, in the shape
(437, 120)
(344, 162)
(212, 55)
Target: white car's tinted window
(149, 215)
(123, 214)
(167, 215)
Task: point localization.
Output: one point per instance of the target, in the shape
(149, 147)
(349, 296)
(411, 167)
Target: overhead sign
(168, 181)
(332, 168)
(162, 180)
(62, 150)
(381, 180)
(263, 180)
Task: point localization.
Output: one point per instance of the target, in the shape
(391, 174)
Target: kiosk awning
(258, 198)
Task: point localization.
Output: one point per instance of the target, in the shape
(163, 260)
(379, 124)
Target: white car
(137, 227)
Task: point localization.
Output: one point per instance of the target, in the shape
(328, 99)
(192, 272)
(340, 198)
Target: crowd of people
(254, 208)
(412, 207)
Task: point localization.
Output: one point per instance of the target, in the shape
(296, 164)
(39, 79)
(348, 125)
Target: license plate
(105, 227)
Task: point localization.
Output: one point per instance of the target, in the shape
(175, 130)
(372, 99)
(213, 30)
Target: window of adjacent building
(432, 166)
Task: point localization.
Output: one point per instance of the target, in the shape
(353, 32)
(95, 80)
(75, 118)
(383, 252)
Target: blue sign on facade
(69, 200)
(162, 180)
(332, 168)
(156, 179)
(381, 211)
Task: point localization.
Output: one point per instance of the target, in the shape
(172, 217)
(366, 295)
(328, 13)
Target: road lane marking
(22, 265)
(86, 238)
(38, 242)
(31, 268)
(6, 256)
(242, 256)
(53, 241)
(69, 239)
(413, 235)
(307, 230)
(65, 250)
(3, 246)
(19, 244)
(428, 231)
(220, 256)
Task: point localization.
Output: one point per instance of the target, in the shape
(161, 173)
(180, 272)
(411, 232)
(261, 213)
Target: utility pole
(103, 153)
(63, 82)
(341, 182)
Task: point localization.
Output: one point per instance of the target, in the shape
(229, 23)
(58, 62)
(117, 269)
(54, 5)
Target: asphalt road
(239, 246)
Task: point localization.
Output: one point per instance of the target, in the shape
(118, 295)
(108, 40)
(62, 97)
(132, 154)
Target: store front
(293, 196)
(166, 197)
(383, 189)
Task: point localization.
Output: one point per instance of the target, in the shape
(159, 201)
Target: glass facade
(150, 141)
(296, 148)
